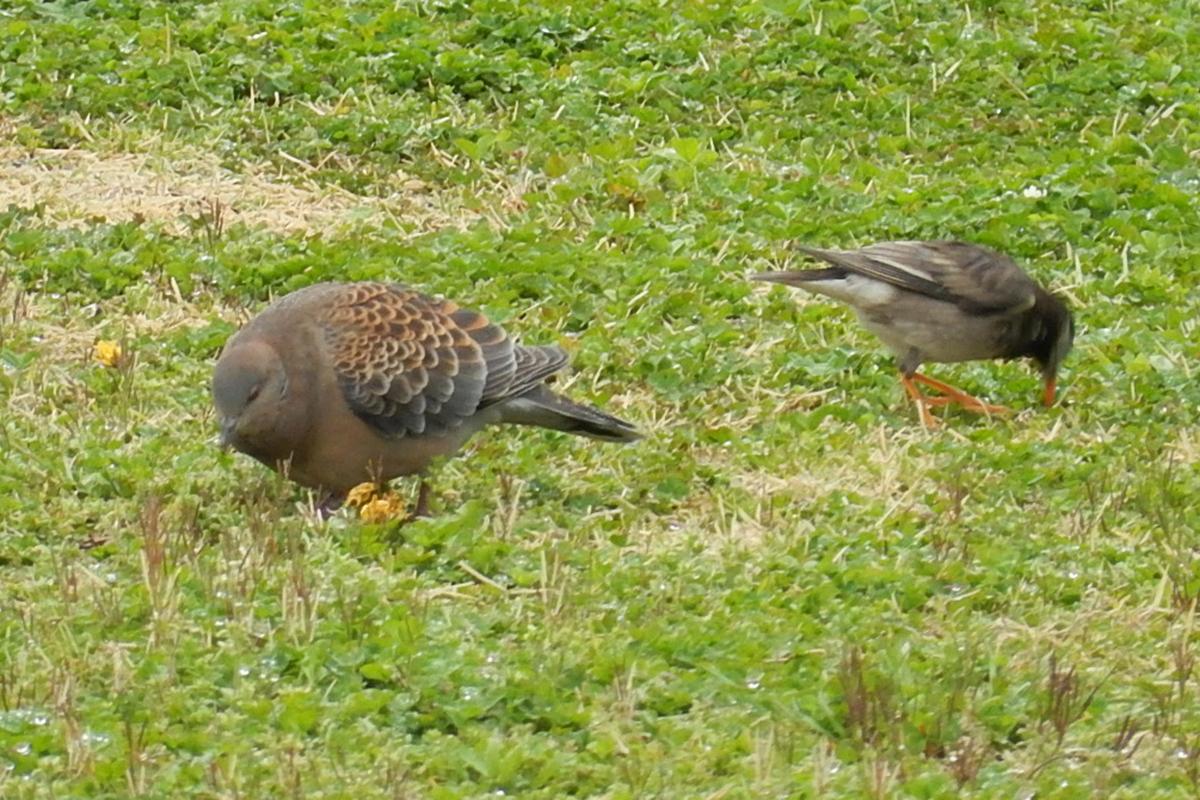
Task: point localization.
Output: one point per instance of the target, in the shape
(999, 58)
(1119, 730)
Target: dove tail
(545, 409)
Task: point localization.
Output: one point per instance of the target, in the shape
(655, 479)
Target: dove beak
(228, 432)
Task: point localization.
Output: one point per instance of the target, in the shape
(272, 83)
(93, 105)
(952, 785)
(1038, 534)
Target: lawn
(788, 589)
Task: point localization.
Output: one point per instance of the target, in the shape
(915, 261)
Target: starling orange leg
(922, 402)
(953, 395)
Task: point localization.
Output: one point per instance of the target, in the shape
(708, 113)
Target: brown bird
(342, 383)
(944, 302)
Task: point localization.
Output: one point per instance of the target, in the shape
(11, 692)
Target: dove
(343, 383)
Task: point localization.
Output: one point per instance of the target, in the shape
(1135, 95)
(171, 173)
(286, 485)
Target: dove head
(258, 414)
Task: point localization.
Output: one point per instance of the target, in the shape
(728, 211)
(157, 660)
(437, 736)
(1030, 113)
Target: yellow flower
(362, 494)
(107, 353)
(382, 508)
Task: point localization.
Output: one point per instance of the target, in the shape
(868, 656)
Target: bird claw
(329, 506)
(928, 420)
(949, 396)
(969, 403)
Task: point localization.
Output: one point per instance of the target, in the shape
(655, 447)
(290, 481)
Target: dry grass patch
(1186, 448)
(78, 187)
(880, 469)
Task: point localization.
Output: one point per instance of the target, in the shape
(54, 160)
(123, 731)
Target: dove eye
(253, 394)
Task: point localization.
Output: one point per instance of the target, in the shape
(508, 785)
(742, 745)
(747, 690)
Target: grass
(789, 589)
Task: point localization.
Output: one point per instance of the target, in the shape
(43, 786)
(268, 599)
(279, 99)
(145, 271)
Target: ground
(788, 589)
